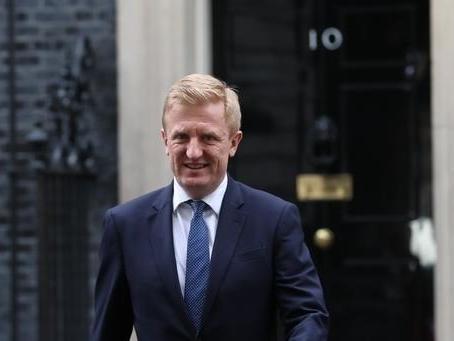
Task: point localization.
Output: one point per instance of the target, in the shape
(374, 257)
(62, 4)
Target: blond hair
(197, 89)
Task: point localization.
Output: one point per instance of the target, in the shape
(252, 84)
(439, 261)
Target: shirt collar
(214, 199)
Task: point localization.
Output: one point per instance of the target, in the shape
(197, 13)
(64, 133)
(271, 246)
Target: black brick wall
(45, 30)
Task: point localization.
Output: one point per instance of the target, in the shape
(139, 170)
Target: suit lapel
(230, 224)
(161, 238)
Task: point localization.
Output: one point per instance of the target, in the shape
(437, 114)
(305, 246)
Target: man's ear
(235, 141)
(164, 140)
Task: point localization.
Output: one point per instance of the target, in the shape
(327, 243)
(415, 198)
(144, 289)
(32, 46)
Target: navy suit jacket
(260, 267)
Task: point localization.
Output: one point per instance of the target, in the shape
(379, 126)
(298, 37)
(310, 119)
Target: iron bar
(11, 9)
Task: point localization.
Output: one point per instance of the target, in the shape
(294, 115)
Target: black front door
(335, 101)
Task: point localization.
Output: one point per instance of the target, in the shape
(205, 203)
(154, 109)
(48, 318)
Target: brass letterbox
(312, 187)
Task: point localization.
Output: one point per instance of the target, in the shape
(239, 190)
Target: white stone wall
(159, 41)
(442, 40)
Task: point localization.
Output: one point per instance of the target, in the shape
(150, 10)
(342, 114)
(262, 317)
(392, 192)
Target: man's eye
(210, 138)
(179, 137)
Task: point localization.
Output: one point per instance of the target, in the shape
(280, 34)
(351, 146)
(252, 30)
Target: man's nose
(194, 150)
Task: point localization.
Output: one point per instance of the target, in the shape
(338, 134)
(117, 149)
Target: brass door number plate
(311, 187)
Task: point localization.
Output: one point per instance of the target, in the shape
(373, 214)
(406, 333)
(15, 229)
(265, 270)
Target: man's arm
(299, 293)
(113, 312)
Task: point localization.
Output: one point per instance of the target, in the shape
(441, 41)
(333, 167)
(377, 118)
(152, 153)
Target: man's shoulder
(255, 196)
(145, 202)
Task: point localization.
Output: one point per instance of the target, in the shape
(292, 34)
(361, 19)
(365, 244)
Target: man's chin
(195, 187)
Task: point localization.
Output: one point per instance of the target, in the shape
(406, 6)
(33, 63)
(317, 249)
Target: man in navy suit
(205, 258)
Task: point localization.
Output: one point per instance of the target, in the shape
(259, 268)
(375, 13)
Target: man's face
(199, 144)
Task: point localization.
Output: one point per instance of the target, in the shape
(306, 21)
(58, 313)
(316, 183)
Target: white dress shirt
(181, 221)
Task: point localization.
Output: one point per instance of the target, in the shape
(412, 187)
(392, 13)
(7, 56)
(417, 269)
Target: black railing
(12, 147)
(63, 254)
(65, 169)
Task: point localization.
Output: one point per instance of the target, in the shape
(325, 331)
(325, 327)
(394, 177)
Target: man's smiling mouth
(195, 166)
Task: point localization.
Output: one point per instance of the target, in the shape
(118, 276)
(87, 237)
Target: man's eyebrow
(178, 132)
(212, 135)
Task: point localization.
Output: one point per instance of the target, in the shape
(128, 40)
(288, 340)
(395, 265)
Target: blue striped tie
(197, 264)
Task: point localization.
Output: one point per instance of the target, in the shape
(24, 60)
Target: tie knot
(198, 206)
